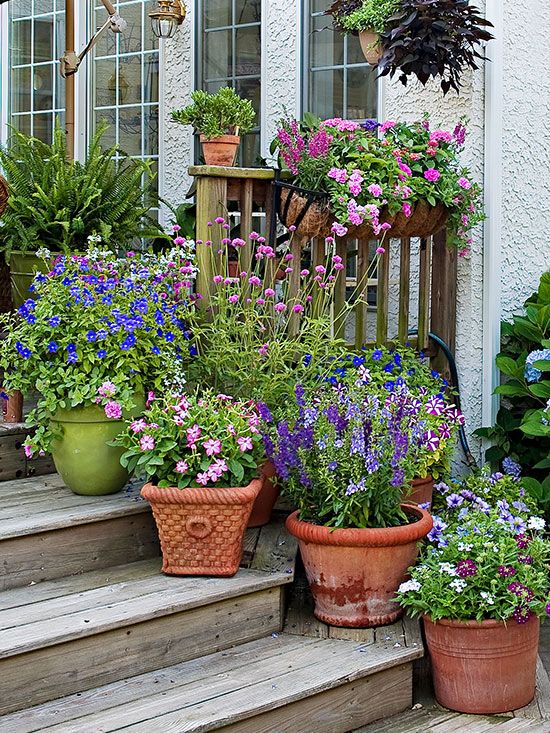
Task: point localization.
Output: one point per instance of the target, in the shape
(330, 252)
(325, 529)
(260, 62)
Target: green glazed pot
(85, 462)
(23, 268)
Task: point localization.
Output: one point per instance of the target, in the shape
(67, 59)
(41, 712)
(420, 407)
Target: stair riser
(35, 677)
(79, 549)
(339, 710)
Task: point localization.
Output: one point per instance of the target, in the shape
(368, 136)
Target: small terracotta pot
(486, 667)
(422, 491)
(354, 573)
(370, 45)
(201, 530)
(220, 150)
(265, 501)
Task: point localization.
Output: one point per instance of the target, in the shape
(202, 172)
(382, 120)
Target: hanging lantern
(167, 16)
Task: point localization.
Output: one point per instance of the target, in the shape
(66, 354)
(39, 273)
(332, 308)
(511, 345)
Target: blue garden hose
(470, 460)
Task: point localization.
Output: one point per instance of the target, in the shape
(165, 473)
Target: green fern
(57, 203)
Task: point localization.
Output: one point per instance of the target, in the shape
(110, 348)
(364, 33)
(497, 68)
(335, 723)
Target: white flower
(446, 567)
(458, 585)
(488, 598)
(409, 585)
(537, 523)
(94, 238)
(464, 547)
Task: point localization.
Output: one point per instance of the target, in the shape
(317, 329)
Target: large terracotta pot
(220, 150)
(370, 45)
(422, 491)
(201, 530)
(265, 501)
(354, 573)
(486, 667)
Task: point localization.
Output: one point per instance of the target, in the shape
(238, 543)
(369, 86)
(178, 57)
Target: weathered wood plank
(340, 292)
(424, 292)
(404, 289)
(276, 550)
(299, 618)
(265, 174)
(211, 203)
(539, 707)
(84, 663)
(382, 296)
(365, 636)
(361, 306)
(13, 463)
(44, 556)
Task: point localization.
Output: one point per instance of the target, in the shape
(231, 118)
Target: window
(35, 41)
(229, 54)
(339, 81)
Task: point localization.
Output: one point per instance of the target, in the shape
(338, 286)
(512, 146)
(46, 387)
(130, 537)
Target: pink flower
(219, 220)
(179, 420)
(464, 183)
(217, 279)
(432, 175)
(255, 280)
(138, 426)
(407, 209)
(320, 269)
(244, 444)
(238, 242)
(354, 183)
(146, 443)
(288, 270)
(339, 229)
(387, 125)
(182, 467)
(380, 250)
(375, 190)
(202, 478)
(107, 389)
(113, 410)
(269, 292)
(193, 434)
(298, 308)
(233, 298)
(28, 450)
(405, 168)
(280, 307)
(264, 348)
(212, 446)
(179, 241)
(304, 273)
(151, 397)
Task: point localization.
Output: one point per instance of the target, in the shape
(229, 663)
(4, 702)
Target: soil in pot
(201, 530)
(354, 573)
(82, 456)
(220, 150)
(483, 668)
(265, 501)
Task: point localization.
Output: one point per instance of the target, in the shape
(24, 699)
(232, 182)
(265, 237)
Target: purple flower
(370, 125)
(466, 568)
(512, 468)
(522, 614)
(454, 501)
(506, 571)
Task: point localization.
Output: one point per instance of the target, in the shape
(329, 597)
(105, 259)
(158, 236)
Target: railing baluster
(424, 292)
(362, 292)
(382, 296)
(404, 289)
(340, 291)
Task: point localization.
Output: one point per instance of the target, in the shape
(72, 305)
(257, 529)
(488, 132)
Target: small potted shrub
(368, 18)
(202, 454)
(481, 588)
(343, 459)
(101, 332)
(220, 119)
(56, 203)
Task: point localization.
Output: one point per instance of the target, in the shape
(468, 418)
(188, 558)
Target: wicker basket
(315, 219)
(201, 530)
(4, 194)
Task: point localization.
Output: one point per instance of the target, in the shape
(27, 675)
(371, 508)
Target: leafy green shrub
(57, 203)
(214, 115)
(522, 429)
(370, 15)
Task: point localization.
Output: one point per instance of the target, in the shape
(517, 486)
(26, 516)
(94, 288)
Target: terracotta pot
(201, 530)
(354, 573)
(220, 150)
(265, 501)
(422, 491)
(370, 45)
(486, 667)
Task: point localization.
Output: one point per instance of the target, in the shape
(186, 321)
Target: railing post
(443, 295)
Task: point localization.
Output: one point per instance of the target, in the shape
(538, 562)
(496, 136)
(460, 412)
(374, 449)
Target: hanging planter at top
(422, 38)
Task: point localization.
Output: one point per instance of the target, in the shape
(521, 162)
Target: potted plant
(343, 459)
(56, 203)
(481, 588)
(101, 333)
(375, 180)
(202, 454)
(220, 119)
(368, 18)
(438, 38)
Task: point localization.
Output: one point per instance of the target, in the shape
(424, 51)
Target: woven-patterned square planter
(201, 530)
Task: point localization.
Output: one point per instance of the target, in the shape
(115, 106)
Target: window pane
(129, 80)
(218, 55)
(247, 11)
(21, 90)
(43, 87)
(326, 48)
(21, 42)
(105, 82)
(129, 130)
(107, 116)
(251, 89)
(216, 13)
(151, 130)
(43, 39)
(327, 93)
(21, 9)
(107, 42)
(248, 53)
(355, 54)
(22, 123)
(43, 6)
(151, 78)
(42, 127)
(130, 40)
(361, 93)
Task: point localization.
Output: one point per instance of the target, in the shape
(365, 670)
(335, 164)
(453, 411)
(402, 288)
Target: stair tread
(216, 690)
(42, 504)
(56, 611)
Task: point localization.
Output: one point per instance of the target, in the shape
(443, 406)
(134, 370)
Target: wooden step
(279, 684)
(48, 532)
(13, 462)
(68, 635)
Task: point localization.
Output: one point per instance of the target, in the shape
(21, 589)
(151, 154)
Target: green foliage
(193, 440)
(58, 203)
(217, 114)
(370, 15)
(522, 428)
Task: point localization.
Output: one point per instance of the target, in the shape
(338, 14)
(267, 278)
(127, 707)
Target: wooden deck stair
(94, 638)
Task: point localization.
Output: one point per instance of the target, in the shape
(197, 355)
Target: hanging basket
(4, 195)
(310, 213)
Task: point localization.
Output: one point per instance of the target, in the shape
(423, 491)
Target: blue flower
(358, 360)
(91, 336)
(307, 359)
(169, 337)
(532, 374)
(54, 321)
(71, 347)
(388, 368)
(510, 467)
(155, 350)
(370, 125)
(193, 350)
(52, 347)
(101, 354)
(22, 350)
(376, 355)
(72, 357)
(128, 342)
